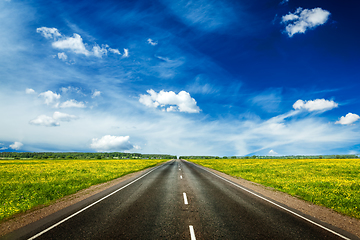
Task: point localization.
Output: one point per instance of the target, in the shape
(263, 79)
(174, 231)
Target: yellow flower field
(25, 184)
(333, 183)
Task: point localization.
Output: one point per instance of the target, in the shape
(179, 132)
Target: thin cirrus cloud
(74, 44)
(181, 102)
(47, 121)
(112, 143)
(315, 105)
(203, 14)
(303, 19)
(348, 119)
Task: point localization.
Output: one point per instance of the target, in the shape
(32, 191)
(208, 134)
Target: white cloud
(72, 103)
(150, 41)
(16, 145)
(115, 51)
(126, 52)
(62, 56)
(182, 101)
(99, 51)
(50, 97)
(74, 44)
(272, 152)
(49, 32)
(315, 105)
(348, 119)
(64, 117)
(304, 19)
(96, 94)
(44, 120)
(111, 143)
(284, 2)
(53, 121)
(30, 91)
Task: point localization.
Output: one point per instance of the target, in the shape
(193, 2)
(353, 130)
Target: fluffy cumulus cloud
(315, 105)
(16, 145)
(49, 97)
(53, 121)
(170, 101)
(72, 103)
(74, 44)
(112, 143)
(304, 19)
(348, 119)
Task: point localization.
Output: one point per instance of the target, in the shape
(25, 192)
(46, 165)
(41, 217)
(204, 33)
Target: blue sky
(180, 77)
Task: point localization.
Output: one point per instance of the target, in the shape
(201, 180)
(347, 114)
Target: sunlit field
(333, 183)
(25, 184)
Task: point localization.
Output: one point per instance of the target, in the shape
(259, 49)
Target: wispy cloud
(29, 91)
(303, 19)
(151, 42)
(207, 15)
(72, 104)
(53, 121)
(74, 44)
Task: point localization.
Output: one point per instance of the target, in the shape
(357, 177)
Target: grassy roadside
(333, 183)
(25, 184)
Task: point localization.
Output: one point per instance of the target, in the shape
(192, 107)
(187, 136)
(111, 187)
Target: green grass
(333, 183)
(25, 184)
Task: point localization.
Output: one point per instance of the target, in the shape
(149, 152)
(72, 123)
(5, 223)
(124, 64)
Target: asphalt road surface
(177, 200)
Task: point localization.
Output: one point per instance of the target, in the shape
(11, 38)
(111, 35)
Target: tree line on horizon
(82, 155)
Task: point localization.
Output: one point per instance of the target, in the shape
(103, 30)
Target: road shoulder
(324, 214)
(23, 219)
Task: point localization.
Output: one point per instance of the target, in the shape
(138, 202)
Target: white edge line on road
(192, 232)
(288, 210)
(65, 219)
(185, 199)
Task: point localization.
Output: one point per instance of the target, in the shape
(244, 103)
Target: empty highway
(177, 200)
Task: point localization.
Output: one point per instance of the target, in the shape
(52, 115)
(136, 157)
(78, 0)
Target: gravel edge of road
(349, 224)
(23, 219)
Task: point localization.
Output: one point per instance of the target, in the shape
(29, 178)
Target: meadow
(25, 184)
(333, 183)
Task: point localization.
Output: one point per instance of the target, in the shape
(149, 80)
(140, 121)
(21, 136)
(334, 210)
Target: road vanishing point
(178, 200)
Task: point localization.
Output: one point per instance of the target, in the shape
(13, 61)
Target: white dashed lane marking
(185, 199)
(192, 232)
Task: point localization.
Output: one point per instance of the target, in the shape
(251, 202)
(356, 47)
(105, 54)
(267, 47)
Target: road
(177, 200)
